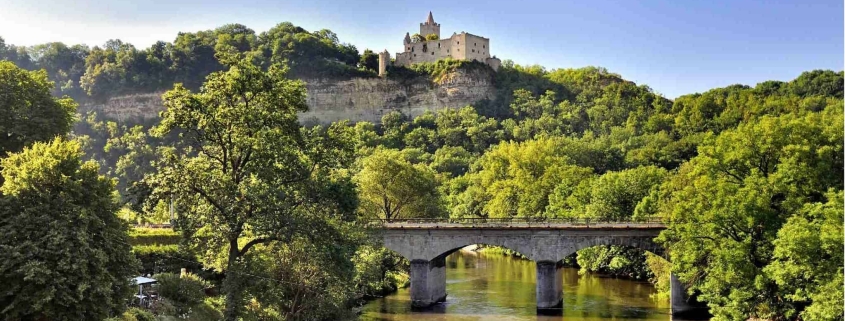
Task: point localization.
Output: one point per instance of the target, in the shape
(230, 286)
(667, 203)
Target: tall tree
(251, 176)
(390, 187)
(728, 207)
(28, 113)
(64, 254)
(369, 60)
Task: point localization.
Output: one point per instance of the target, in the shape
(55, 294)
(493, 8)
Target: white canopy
(144, 280)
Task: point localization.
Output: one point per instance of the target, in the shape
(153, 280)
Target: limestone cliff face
(358, 99)
(369, 99)
(136, 106)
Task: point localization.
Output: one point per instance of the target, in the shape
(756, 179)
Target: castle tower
(383, 61)
(430, 27)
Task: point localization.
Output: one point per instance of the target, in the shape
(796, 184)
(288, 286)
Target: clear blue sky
(675, 47)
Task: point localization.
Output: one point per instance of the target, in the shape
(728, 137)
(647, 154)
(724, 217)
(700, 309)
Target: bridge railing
(518, 222)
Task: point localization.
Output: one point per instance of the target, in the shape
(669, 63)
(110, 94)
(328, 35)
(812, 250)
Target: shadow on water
(501, 288)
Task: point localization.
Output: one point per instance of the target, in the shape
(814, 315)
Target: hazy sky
(675, 47)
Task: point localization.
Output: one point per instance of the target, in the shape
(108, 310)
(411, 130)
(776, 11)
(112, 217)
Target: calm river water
(501, 288)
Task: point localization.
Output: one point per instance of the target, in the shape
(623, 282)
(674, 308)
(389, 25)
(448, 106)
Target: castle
(431, 48)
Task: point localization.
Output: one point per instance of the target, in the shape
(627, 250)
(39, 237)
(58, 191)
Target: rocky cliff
(358, 99)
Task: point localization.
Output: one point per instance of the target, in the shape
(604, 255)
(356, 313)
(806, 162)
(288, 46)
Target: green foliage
(29, 113)
(256, 176)
(159, 258)
(615, 260)
(57, 218)
(737, 195)
(438, 70)
(134, 314)
(185, 292)
(152, 236)
(808, 259)
(305, 281)
(369, 60)
(516, 179)
(661, 270)
(390, 187)
(612, 196)
(378, 271)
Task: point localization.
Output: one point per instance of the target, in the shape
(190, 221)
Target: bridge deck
(518, 224)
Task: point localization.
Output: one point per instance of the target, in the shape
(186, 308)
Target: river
(501, 288)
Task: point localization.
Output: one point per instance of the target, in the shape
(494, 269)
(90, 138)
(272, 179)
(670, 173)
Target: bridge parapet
(518, 223)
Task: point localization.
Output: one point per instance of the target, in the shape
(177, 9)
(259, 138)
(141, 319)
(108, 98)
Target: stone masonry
(426, 249)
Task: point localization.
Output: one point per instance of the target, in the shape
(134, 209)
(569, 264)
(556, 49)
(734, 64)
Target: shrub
(154, 236)
(164, 258)
(183, 292)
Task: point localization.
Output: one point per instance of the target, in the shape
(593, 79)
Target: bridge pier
(428, 282)
(681, 302)
(549, 287)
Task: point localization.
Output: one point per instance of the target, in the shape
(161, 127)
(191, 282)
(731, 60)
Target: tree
(725, 213)
(369, 60)
(64, 254)
(390, 187)
(808, 260)
(432, 36)
(417, 38)
(252, 176)
(615, 195)
(28, 113)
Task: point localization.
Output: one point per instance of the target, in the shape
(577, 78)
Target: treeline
(116, 67)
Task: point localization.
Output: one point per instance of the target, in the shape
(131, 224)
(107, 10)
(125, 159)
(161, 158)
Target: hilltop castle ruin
(460, 46)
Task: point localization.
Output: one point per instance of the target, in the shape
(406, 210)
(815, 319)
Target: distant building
(460, 46)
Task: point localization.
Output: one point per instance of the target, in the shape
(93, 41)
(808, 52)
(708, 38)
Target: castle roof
(430, 19)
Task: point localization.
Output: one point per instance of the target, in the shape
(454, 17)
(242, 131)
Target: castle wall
(429, 51)
(477, 48)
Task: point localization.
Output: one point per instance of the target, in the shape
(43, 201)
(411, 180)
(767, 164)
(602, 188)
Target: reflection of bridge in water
(427, 242)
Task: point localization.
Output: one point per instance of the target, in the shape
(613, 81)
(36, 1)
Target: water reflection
(495, 287)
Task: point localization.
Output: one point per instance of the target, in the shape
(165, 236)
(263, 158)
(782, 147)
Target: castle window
(483, 46)
(438, 45)
(415, 55)
(432, 53)
(473, 50)
(459, 42)
(474, 44)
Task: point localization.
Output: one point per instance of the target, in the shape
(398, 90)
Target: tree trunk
(232, 285)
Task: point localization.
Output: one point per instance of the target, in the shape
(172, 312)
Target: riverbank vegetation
(749, 178)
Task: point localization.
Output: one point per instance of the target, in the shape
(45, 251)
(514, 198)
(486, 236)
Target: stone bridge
(426, 243)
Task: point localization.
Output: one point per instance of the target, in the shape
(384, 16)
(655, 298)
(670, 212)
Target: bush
(164, 258)
(134, 314)
(185, 292)
(436, 70)
(154, 236)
